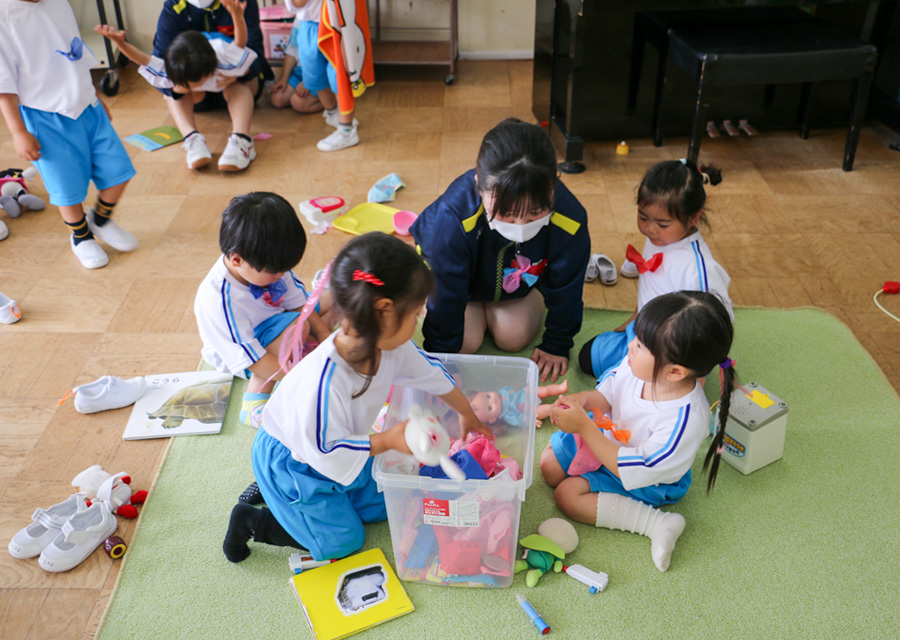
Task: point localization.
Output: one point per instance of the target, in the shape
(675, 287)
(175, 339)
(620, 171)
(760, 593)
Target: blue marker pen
(538, 621)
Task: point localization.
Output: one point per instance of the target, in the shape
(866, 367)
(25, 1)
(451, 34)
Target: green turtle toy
(546, 549)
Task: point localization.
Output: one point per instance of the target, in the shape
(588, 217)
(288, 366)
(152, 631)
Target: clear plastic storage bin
(451, 533)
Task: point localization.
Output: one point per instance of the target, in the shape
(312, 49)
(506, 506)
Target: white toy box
(755, 430)
(460, 533)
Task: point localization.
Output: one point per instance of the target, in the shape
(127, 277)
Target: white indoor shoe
(198, 154)
(600, 266)
(238, 154)
(46, 526)
(339, 140)
(9, 310)
(108, 392)
(89, 253)
(80, 535)
(629, 270)
(111, 233)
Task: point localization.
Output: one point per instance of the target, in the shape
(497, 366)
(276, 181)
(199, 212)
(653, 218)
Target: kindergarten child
(48, 101)
(505, 241)
(671, 201)
(251, 296)
(313, 454)
(289, 90)
(195, 63)
(657, 396)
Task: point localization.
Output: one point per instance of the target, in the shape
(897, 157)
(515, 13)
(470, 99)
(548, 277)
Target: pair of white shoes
(90, 253)
(65, 534)
(9, 310)
(238, 154)
(108, 392)
(600, 266)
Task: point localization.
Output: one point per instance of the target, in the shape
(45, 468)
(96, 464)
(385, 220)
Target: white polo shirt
(232, 62)
(34, 41)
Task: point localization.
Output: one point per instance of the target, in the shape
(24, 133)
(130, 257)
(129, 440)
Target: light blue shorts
(74, 152)
(318, 74)
(602, 480)
(322, 515)
(269, 329)
(609, 349)
(296, 77)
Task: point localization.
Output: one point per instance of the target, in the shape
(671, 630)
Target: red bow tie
(643, 265)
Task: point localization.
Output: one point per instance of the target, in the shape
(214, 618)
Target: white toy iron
(429, 442)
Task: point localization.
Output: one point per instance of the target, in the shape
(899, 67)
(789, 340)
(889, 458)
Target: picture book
(178, 404)
(350, 595)
(157, 138)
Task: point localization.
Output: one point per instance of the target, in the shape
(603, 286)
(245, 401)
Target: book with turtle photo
(179, 404)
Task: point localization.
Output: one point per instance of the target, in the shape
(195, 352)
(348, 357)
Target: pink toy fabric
(584, 459)
(515, 473)
(492, 534)
(486, 454)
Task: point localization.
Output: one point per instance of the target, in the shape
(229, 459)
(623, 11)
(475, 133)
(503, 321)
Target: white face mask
(201, 4)
(519, 232)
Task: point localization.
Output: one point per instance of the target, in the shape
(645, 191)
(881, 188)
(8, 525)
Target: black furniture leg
(701, 108)
(860, 99)
(638, 45)
(803, 111)
(661, 72)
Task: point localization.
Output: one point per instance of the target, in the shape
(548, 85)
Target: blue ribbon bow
(276, 291)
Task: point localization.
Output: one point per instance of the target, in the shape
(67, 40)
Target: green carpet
(804, 548)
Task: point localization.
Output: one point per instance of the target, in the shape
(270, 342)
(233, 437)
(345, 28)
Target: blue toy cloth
(385, 190)
(513, 410)
(466, 462)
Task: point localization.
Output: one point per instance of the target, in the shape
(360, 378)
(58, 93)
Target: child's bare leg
(574, 498)
(515, 323)
(474, 328)
(327, 98)
(282, 99)
(183, 111)
(239, 96)
(305, 104)
(551, 470)
(327, 309)
(72, 214)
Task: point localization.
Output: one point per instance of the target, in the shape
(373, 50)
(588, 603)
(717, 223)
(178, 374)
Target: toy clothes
(179, 15)
(344, 39)
(228, 313)
(665, 435)
(513, 403)
(232, 62)
(468, 259)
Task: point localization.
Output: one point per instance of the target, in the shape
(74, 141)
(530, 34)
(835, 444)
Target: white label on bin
(449, 513)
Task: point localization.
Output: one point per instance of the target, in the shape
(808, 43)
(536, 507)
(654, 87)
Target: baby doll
(508, 405)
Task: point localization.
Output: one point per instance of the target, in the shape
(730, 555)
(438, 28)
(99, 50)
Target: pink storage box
(276, 36)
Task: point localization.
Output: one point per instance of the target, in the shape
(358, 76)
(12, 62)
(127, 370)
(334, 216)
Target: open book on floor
(350, 595)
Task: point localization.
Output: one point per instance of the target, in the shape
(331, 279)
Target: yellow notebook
(350, 595)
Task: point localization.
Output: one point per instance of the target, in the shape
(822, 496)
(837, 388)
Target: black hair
(393, 270)
(189, 58)
(691, 329)
(263, 229)
(517, 164)
(678, 186)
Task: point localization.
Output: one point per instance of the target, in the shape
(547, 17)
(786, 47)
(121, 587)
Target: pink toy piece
(262, 136)
(584, 460)
(515, 472)
(486, 455)
(403, 221)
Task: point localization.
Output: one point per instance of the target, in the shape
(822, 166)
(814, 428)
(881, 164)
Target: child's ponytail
(714, 454)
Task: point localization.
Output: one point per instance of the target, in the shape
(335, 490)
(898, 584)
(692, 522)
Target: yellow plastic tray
(366, 217)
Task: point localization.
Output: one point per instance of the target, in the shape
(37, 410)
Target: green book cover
(154, 139)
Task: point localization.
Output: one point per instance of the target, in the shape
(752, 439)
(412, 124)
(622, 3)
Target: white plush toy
(429, 442)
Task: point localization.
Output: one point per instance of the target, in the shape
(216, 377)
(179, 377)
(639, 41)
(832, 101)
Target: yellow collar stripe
(565, 223)
(180, 6)
(469, 223)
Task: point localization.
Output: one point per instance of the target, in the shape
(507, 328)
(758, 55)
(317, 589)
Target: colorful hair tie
(727, 363)
(720, 450)
(367, 277)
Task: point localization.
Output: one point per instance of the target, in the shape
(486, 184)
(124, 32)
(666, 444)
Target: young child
(57, 122)
(313, 454)
(290, 91)
(505, 241)
(195, 63)
(671, 201)
(656, 394)
(251, 296)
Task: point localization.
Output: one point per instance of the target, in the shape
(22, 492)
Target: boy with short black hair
(251, 296)
(57, 121)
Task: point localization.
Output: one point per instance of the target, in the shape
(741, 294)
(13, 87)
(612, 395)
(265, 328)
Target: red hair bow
(643, 265)
(367, 277)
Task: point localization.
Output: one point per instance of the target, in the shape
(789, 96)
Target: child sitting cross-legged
(195, 63)
(251, 297)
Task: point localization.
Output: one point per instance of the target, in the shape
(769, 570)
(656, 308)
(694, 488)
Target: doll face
(487, 406)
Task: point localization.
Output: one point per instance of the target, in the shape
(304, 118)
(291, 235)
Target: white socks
(616, 511)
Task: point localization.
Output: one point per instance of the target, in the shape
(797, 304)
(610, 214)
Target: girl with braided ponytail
(313, 454)
(656, 394)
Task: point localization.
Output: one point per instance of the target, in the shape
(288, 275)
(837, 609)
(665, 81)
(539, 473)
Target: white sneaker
(238, 154)
(629, 270)
(80, 535)
(334, 119)
(9, 310)
(46, 525)
(111, 233)
(108, 392)
(198, 154)
(337, 141)
(4, 230)
(89, 253)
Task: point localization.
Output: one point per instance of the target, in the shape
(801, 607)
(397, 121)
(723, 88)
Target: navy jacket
(179, 15)
(468, 259)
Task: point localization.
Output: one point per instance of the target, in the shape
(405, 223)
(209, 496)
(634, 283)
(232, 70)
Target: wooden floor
(790, 227)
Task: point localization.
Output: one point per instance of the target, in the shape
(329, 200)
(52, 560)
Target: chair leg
(638, 44)
(803, 111)
(701, 108)
(769, 96)
(662, 71)
(858, 111)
